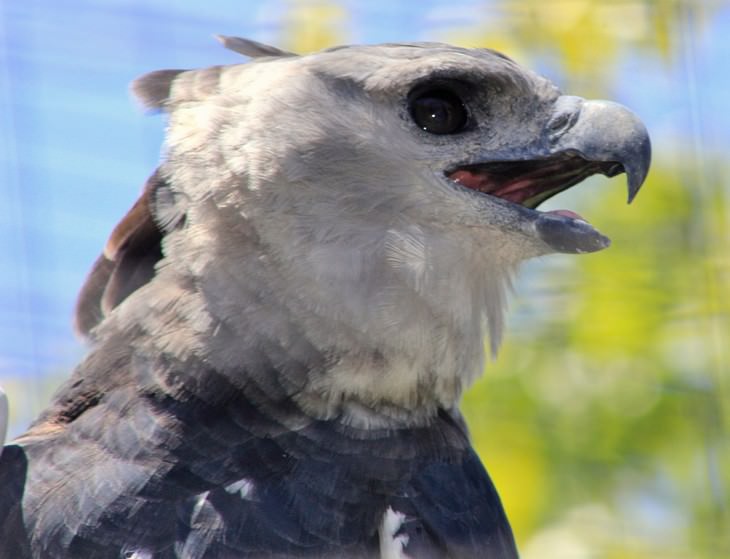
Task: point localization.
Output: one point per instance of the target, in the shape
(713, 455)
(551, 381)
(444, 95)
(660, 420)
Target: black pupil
(439, 111)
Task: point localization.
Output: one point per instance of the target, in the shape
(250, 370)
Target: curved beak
(603, 131)
(580, 138)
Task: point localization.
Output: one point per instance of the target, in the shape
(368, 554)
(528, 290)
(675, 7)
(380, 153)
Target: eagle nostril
(566, 113)
(561, 123)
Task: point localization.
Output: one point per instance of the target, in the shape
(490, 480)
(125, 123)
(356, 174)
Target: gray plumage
(283, 325)
(250, 48)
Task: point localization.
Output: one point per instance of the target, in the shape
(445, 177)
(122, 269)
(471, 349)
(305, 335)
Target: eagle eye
(438, 110)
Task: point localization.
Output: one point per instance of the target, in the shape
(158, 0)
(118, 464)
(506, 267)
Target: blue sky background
(75, 151)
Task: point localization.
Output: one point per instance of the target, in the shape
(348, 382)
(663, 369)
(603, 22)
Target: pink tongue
(482, 183)
(566, 213)
(475, 181)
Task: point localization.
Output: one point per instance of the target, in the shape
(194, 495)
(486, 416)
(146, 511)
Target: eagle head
(373, 201)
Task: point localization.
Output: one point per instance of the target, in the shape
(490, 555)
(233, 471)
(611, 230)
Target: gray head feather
(251, 48)
(153, 90)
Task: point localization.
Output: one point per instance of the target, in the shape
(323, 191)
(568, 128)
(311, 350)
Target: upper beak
(602, 131)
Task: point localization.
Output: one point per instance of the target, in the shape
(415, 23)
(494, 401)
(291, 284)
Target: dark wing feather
(14, 542)
(455, 511)
(148, 470)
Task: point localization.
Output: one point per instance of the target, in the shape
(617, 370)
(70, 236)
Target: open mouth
(530, 183)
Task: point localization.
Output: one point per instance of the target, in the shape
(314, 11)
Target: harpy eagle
(283, 324)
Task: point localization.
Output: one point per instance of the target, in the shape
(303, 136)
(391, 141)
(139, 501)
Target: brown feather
(88, 311)
(127, 263)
